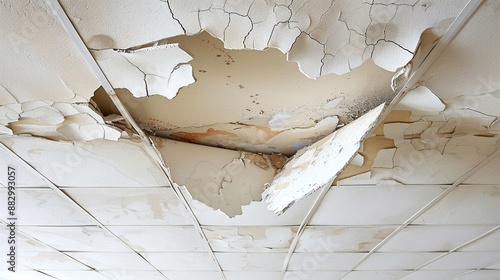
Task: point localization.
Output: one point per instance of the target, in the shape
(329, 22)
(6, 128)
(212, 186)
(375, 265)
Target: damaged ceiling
(279, 140)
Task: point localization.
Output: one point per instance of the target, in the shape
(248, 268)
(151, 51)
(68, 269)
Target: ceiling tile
(77, 239)
(481, 275)
(24, 275)
(24, 243)
(255, 214)
(75, 274)
(192, 275)
(341, 239)
(160, 238)
(324, 261)
(126, 274)
(362, 205)
(464, 260)
(490, 242)
(251, 261)
(375, 275)
(432, 238)
(252, 275)
(45, 207)
(111, 261)
(494, 266)
(135, 206)
(465, 205)
(250, 239)
(432, 274)
(24, 177)
(124, 163)
(488, 174)
(312, 274)
(181, 261)
(396, 261)
(48, 260)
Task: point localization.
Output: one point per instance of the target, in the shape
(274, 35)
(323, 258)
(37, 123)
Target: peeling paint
(317, 165)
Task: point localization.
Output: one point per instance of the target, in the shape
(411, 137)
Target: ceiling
(225, 140)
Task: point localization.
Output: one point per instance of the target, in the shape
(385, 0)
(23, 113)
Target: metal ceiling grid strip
(149, 145)
(460, 246)
(425, 208)
(62, 194)
(452, 31)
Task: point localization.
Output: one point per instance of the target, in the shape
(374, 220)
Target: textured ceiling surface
(239, 139)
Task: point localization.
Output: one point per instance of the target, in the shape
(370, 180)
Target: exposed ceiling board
(317, 165)
(323, 261)
(181, 261)
(433, 274)
(396, 261)
(490, 243)
(111, 260)
(222, 179)
(465, 260)
(75, 274)
(251, 261)
(37, 50)
(376, 275)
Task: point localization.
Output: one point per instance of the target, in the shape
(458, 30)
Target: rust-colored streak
(194, 136)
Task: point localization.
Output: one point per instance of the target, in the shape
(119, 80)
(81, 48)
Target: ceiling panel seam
(149, 146)
(460, 246)
(425, 208)
(66, 197)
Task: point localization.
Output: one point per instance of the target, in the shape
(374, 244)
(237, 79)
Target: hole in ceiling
(254, 101)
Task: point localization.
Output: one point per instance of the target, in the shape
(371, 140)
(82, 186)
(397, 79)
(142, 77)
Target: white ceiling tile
(252, 275)
(160, 238)
(250, 239)
(313, 274)
(24, 275)
(157, 206)
(124, 163)
(490, 242)
(324, 261)
(341, 239)
(45, 207)
(464, 260)
(465, 205)
(481, 275)
(375, 275)
(251, 261)
(432, 238)
(181, 261)
(126, 274)
(396, 261)
(75, 274)
(255, 214)
(78, 239)
(111, 261)
(23, 178)
(47, 260)
(24, 242)
(494, 266)
(432, 274)
(192, 275)
(362, 205)
(488, 174)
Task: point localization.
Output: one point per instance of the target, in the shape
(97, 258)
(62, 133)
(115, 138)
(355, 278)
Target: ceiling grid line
(149, 145)
(425, 208)
(63, 195)
(459, 247)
